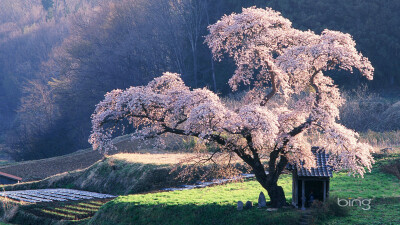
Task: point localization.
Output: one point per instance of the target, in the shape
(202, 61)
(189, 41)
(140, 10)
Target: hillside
(40, 169)
(119, 174)
(139, 174)
(116, 174)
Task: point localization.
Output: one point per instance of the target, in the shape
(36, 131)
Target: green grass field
(211, 205)
(217, 205)
(383, 190)
(383, 211)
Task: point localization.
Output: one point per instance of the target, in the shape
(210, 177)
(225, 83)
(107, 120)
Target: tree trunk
(211, 57)
(270, 183)
(194, 52)
(276, 195)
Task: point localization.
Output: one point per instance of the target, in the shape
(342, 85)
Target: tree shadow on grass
(128, 213)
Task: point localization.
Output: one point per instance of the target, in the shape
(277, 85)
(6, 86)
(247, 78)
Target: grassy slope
(216, 205)
(40, 169)
(108, 176)
(43, 168)
(116, 174)
(211, 205)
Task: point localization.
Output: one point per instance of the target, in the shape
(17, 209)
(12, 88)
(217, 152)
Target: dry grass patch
(157, 159)
(164, 158)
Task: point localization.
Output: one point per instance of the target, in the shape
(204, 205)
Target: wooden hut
(6, 178)
(314, 182)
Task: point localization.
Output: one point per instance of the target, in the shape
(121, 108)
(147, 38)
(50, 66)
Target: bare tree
(192, 15)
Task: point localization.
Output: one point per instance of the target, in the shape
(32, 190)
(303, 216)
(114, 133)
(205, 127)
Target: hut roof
(322, 169)
(10, 176)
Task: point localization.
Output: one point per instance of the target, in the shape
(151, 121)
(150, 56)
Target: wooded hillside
(59, 57)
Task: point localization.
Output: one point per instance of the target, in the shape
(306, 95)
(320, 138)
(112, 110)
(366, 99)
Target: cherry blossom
(292, 104)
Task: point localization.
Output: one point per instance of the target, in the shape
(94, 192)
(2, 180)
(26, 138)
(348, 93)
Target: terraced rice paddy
(71, 210)
(50, 195)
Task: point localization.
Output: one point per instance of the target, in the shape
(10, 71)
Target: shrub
(363, 110)
(392, 168)
(8, 209)
(391, 117)
(329, 209)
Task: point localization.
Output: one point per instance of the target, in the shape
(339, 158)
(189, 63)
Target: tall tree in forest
(192, 15)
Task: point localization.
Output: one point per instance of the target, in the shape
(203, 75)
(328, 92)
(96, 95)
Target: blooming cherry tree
(291, 106)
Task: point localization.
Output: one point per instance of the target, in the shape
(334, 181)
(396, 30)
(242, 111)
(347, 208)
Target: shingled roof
(322, 169)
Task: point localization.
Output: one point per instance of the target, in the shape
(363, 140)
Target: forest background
(59, 57)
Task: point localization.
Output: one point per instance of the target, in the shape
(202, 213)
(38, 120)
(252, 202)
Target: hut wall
(6, 180)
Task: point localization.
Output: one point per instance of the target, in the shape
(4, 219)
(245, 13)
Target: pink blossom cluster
(291, 102)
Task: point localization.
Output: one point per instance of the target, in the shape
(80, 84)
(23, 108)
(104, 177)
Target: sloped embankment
(35, 170)
(110, 175)
(40, 169)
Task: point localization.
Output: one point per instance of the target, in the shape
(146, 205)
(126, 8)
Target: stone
(240, 205)
(272, 209)
(248, 205)
(261, 200)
